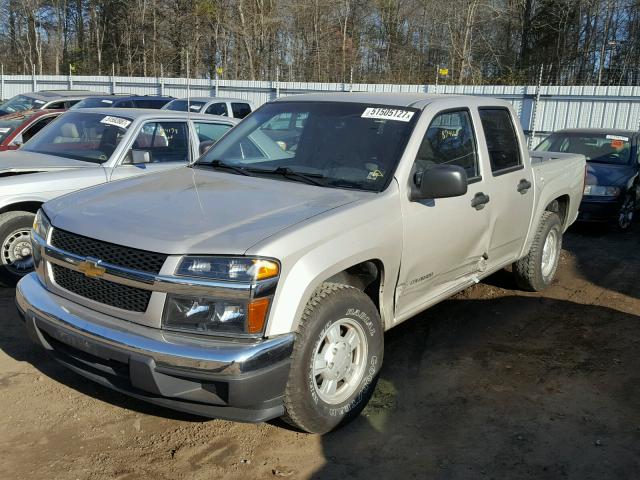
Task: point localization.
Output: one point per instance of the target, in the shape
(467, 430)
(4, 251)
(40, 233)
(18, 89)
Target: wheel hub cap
(17, 252)
(549, 253)
(339, 361)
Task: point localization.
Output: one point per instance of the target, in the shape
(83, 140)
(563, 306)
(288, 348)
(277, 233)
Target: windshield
(599, 148)
(20, 103)
(90, 137)
(93, 103)
(9, 125)
(181, 106)
(344, 144)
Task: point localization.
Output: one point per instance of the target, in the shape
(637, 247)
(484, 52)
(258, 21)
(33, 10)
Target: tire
(626, 212)
(320, 356)
(15, 246)
(536, 270)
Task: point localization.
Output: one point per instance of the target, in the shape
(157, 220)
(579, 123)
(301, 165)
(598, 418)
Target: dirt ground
(494, 383)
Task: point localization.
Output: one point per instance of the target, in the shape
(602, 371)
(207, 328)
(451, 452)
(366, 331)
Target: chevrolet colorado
(258, 281)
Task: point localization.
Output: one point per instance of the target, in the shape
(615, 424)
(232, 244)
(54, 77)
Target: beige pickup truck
(258, 281)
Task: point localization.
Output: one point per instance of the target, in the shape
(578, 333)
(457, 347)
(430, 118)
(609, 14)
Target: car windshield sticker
(39, 102)
(107, 101)
(116, 121)
(195, 107)
(388, 114)
(4, 129)
(375, 175)
(617, 137)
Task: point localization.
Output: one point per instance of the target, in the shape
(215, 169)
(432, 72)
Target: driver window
(165, 141)
(449, 140)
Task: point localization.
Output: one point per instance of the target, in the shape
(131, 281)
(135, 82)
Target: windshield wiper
(220, 165)
(310, 178)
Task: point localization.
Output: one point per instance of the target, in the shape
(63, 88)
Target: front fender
(329, 244)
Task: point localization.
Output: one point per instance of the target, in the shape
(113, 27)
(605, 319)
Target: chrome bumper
(160, 365)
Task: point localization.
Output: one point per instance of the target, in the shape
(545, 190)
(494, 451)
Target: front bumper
(230, 379)
(599, 210)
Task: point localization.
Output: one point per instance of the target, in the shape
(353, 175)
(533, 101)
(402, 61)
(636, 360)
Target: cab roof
(151, 113)
(411, 100)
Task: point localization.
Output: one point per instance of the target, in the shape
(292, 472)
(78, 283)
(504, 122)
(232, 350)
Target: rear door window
(502, 140)
(35, 128)
(240, 110)
(218, 109)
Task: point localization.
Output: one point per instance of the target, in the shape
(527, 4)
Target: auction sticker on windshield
(116, 121)
(388, 114)
(617, 137)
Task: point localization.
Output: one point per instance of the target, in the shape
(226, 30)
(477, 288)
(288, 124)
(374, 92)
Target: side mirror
(140, 156)
(439, 181)
(17, 141)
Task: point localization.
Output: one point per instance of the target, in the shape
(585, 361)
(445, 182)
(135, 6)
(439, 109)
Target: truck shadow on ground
(513, 387)
(509, 387)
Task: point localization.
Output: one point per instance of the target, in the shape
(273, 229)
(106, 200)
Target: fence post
(33, 78)
(161, 80)
(70, 79)
(2, 82)
(217, 86)
(113, 79)
(535, 109)
(351, 80)
(278, 82)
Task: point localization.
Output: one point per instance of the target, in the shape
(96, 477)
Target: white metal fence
(554, 108)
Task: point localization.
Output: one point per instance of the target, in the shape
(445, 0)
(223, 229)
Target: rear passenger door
(165, 144)
(510, 183)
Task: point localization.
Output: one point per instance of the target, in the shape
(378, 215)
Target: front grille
(131, 258)
(102, 291)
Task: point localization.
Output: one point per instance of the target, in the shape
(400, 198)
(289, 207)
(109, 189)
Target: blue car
(612, 184)
(124, 101)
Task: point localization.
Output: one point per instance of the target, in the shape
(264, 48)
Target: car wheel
(336, 359)
(626, 212)
(16, 258)
(536, 270)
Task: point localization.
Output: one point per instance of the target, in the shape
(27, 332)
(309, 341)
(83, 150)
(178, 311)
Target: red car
(17, 128)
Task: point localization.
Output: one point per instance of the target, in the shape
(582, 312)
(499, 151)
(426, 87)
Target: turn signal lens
(265, 269)
(257, 315)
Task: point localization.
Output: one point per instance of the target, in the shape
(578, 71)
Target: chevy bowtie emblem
(91, 269)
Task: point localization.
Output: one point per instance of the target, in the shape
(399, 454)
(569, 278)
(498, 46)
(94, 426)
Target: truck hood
(193, 210)
(21, 161)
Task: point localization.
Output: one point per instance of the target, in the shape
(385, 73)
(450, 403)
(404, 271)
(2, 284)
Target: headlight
(238, 269)
(215, 316)
(601, 191)
(41, 224)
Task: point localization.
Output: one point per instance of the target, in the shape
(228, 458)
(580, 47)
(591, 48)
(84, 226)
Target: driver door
(159, 146)
(445, 240)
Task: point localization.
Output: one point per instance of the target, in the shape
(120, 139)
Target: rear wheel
(16, 258)
(536, 270)
(336, 359)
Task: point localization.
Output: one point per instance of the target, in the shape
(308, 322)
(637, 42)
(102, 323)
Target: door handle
(479, 200)
(524, 185)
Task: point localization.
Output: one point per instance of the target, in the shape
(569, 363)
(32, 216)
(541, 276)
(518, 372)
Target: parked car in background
(123, 101)
(45, 100)
(612, 184)
(84, 148)
(227, 107)
(18, 128)
(259, 282)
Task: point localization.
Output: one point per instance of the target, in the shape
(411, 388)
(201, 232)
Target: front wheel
(626, 212)
(16, 258)
(336, 359)
(536, 270)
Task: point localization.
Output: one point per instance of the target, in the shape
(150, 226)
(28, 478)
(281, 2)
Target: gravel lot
(494, 383)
